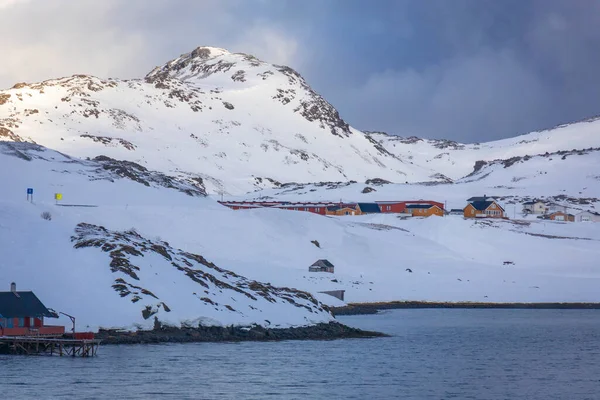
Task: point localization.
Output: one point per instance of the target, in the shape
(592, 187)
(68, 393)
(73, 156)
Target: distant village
(476, 207)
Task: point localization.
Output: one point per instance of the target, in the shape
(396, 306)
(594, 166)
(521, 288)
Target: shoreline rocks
(167, 334)
(374, 308)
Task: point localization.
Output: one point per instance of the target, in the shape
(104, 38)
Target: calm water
(434, 354)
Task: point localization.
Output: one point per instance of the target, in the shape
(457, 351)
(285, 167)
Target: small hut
(321, 266)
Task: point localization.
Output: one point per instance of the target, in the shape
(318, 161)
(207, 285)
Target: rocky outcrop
(166, 334)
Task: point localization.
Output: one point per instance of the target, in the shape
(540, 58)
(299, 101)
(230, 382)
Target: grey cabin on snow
(321, 266)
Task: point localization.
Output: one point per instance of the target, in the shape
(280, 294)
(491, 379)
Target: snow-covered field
(145, 152)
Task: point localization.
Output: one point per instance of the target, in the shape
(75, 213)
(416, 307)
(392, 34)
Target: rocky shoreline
(374, 308)
(167, 334)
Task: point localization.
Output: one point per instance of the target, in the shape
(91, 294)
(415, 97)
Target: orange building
(483, 209)
(561, 216)
(424, 210)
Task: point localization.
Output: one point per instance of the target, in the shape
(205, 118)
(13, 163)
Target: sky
(465, 70)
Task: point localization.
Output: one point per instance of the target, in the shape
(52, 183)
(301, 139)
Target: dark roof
(481, 205)
(425, 206)
(322, 263)
(369, 207)
(21, 305)
(591, 212)
(484, 198)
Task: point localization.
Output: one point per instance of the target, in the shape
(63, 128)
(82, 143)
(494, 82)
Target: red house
(400, 206)
(316, 208)
(392, 206)
(22, 314)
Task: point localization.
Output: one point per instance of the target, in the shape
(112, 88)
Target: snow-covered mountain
(236, 124)
(136, 237)
(235, 121)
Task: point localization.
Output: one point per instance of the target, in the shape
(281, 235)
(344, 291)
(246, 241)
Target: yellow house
(343, 209)
(483, 209)
(424, 210)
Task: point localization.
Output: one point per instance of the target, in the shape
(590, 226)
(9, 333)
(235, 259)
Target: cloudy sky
(471, 70)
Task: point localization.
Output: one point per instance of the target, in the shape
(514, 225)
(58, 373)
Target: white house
(534, 207)
(587, 216)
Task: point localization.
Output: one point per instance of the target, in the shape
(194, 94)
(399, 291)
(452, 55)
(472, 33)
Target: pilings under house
(32, 345)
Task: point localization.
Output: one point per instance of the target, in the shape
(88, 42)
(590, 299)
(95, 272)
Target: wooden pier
(32, 345)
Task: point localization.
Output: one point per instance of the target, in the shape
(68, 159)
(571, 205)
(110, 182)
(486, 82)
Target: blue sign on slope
(29, 190)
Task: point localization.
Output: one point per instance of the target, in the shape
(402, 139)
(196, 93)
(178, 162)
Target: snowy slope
(456, 160)
(236, 121)
(116, 276)
(157, 231)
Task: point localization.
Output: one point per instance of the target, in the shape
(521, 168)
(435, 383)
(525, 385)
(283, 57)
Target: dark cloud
(469, 70)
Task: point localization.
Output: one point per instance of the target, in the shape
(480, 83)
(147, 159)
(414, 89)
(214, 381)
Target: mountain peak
(199, 63)
(206, 52)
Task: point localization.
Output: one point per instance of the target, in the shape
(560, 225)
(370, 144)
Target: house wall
(28, 326)
(561, 216)
(434, 211)
(536, 208)
(433, 203)
(585, 216)
(426, 212)
(344, 211)
(320, 269)
(469, 211)
(335, 293)
(44, 330)
(399, 207)
(494, 207)
(318, 210)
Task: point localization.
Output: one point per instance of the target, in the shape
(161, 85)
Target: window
(21, 322)
(317, 209)
(472, 211)
(389, 208)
